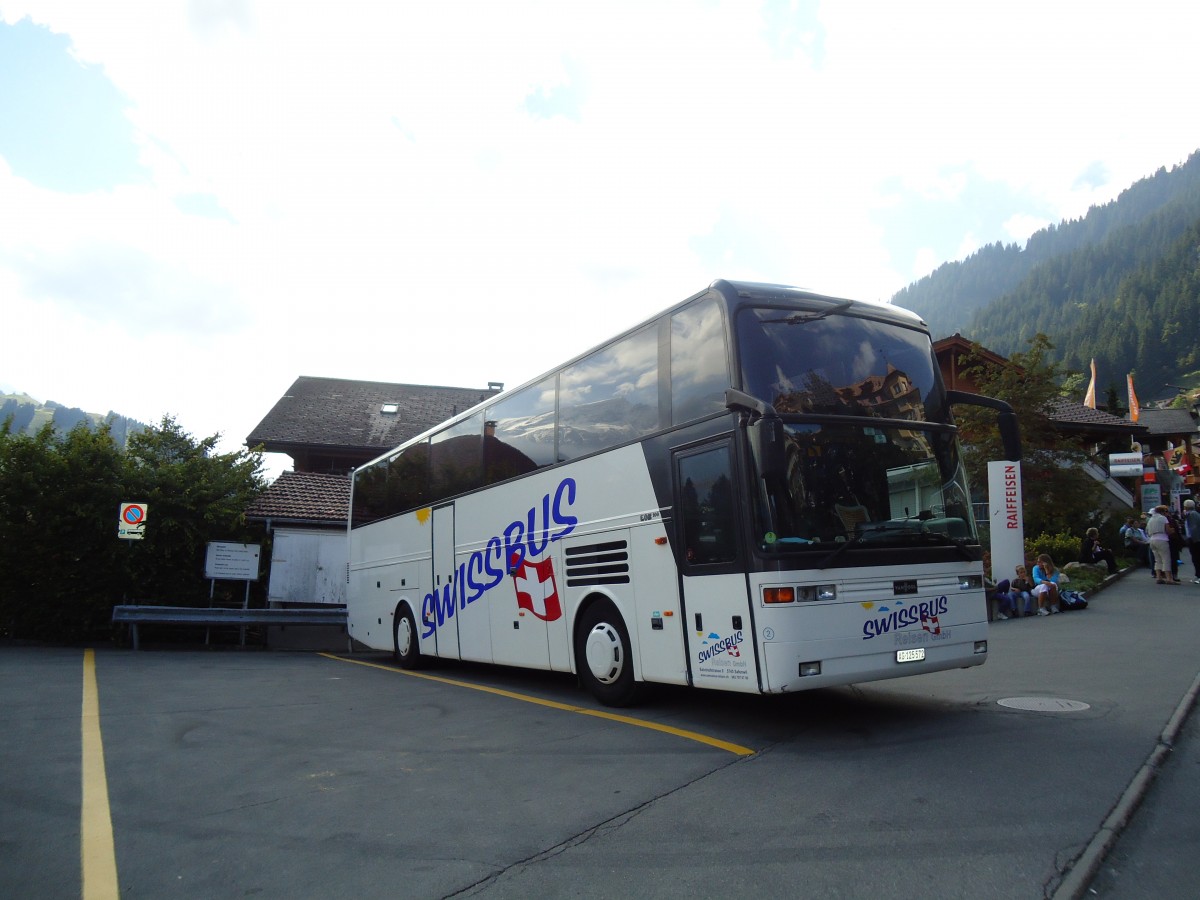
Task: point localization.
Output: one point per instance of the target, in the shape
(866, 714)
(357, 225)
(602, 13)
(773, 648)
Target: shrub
(1063, 548)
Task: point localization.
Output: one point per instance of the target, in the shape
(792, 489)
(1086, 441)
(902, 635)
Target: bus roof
(736, 295)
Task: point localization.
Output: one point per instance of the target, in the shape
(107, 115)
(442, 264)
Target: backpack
(1071, 600)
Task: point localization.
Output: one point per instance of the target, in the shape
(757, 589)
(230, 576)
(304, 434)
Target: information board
(231, 562)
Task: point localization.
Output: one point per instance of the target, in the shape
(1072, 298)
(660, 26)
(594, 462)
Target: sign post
(228, 561)
(131, 523)
(1008, 518)
(1125, 465)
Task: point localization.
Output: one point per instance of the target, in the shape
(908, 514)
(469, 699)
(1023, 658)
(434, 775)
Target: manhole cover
(1043, 704)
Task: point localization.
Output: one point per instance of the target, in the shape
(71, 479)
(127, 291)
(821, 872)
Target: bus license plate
(916, 654)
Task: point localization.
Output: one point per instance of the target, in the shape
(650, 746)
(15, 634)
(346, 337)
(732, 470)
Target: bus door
(445, 595)
(712, 572)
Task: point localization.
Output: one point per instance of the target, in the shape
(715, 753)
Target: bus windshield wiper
(838, 551)
(940, 537)
(801, 318)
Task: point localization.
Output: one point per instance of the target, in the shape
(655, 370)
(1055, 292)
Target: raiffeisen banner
(1007, 518)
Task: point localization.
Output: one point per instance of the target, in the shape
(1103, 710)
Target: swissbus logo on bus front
(514, 551)
(901, 615)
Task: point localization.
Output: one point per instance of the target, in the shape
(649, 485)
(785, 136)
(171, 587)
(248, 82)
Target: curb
(1086, 866)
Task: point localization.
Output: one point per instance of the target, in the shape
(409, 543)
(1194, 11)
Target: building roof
(1168, 422)
(366, 416)
(304, 497)
(961, 346)
(1070, 415)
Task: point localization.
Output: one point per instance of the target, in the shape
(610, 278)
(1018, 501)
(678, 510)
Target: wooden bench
(133, 616)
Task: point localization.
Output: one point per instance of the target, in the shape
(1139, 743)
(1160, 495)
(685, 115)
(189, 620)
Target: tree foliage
(1059, 496)
(60, 494)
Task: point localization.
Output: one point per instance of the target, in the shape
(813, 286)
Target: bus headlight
(818, 592)
(970, 582)
(792, 594)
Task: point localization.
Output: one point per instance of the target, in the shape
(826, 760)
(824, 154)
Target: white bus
(758, 490)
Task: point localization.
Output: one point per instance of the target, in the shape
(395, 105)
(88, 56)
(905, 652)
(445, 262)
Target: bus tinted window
(456, 458)
(408, 479)
(610, 397)
(706, 500)
(699, 368)
(840, 365)
(370, 494)
(519, 433)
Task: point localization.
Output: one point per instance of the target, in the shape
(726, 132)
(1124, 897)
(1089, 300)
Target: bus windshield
(837, 365)
(866, 484)
(868, 476)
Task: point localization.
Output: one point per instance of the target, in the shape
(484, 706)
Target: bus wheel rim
(404, 637)
(605, 654)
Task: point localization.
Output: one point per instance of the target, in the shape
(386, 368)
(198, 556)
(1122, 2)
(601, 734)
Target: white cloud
(1020, 228)
(396, 210)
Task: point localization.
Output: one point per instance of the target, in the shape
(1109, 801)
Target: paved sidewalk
(1129, 856)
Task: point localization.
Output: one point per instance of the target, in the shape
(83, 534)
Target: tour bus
(758, 490)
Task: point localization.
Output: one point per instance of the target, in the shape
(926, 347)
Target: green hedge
(1063, 548)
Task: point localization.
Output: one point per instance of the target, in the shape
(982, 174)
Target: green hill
(26, 414)
(1121, 285)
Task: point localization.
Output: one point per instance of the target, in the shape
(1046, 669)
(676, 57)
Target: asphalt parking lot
(233, 773)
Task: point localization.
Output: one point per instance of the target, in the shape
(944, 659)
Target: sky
(201, 200)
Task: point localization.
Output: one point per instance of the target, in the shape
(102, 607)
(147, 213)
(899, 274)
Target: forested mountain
(1121, 285)
(28, 415)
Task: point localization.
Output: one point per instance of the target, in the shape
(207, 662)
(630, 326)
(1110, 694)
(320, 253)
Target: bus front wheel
(602, 655)
(407, 651)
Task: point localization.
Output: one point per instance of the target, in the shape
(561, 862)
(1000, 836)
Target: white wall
(308, 566)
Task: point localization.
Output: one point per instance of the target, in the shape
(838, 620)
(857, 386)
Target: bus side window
(515, 433)
(699, 374)
(706, 504)
(609, 397)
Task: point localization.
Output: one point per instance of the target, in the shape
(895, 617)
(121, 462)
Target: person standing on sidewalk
(1160, 545)
(1137, 541)
(1177, 542)
(1191, 534)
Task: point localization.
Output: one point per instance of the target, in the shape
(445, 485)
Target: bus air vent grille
(606, 563)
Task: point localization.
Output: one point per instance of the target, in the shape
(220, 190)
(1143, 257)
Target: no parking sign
(131, 524)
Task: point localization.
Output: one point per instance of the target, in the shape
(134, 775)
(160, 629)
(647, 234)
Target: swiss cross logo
(931, 624)
(536, 589)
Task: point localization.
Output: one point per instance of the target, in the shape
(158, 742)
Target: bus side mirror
(767, 443)
(765, 432)
(1010, 436)
(1006, 420)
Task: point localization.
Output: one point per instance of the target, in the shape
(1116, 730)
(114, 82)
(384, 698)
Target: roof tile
(305, 496)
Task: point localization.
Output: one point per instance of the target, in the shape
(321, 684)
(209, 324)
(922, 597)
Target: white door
(444, 591)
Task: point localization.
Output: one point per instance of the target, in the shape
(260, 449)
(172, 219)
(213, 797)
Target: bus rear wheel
(407, 652)
(603, 657)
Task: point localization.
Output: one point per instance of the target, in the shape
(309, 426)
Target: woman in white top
(1160, 545)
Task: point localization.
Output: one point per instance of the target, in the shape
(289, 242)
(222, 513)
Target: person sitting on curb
(1046, 578)
(1092, 552)
(1005, 607)
(1022, 592)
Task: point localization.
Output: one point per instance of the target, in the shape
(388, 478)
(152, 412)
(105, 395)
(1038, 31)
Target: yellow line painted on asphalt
(97, 854)
(565, 707)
